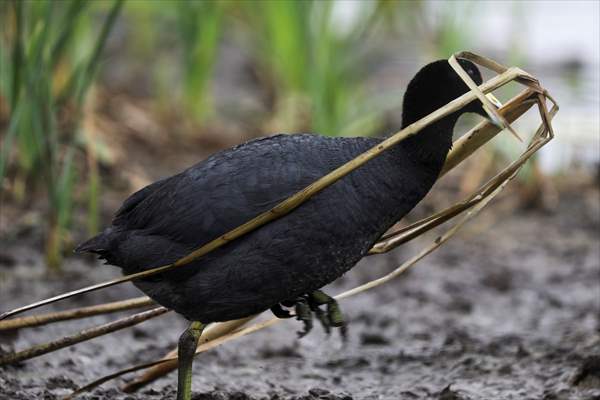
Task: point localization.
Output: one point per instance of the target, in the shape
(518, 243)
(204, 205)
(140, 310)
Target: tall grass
(38, 40)
(315, 65)
(199, 27)
(180, 40)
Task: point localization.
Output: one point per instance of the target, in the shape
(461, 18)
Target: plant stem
(81, 336)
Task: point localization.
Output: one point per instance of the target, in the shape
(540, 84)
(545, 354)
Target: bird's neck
(431, 144)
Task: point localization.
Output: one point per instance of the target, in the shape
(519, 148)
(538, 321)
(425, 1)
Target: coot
(286, 261)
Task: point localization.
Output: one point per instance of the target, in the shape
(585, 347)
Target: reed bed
(45, 112)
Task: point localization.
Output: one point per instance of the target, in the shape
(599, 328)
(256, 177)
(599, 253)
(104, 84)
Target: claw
(304, 314)
(336, 318)
(334, 315)
(323, 319)
(309, 304)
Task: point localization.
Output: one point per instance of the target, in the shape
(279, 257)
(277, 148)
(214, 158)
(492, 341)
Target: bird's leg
(335, 318)
(321, 315)
(303, 314)
(186, 350)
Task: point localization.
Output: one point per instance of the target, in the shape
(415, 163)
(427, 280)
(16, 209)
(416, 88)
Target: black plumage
(300, 252)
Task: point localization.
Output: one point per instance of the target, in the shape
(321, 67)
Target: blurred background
(100, 98)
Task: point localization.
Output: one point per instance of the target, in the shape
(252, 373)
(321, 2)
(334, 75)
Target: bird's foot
(309, 305)
(332, 317)
(304, 314)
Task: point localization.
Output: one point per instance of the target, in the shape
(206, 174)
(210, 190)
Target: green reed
(39, 145)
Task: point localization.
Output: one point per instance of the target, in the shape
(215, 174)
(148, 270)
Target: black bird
(288, 260)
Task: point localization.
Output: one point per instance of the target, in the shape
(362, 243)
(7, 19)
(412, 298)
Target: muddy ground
(508, 309)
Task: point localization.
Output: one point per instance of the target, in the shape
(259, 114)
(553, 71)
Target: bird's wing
(229, 188)
(132, 201)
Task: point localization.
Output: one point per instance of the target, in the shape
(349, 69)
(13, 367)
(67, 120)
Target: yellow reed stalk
(76, 313)
(81, 336)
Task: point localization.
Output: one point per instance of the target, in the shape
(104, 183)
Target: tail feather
(98, 244)
(93, 245)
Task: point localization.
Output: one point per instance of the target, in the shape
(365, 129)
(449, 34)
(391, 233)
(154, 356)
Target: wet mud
(508, 309)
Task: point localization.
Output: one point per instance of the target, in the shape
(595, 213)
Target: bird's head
(434, 86)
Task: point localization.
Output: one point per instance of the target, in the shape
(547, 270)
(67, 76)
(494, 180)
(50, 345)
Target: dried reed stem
(464, 147)
(82, 312)
(81, 336)
(471, 141)
(512, 110)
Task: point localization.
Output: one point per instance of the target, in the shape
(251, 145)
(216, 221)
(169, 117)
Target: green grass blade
(65, 184)
(8, 142)
(17, 53)
(94, 189)
(67, 23)
(93, 62)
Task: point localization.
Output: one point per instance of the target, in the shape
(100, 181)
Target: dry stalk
(76, 313)
(486, 103)
(511, 111)
(471, 141)
(78, 337)
(385, 244)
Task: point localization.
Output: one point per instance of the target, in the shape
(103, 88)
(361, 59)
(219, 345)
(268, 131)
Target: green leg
(323, 319)
(303, 314)
(186, 350)
(335, 318)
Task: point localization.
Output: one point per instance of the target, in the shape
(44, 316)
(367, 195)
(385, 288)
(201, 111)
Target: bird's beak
(493, 116)
(494, 100)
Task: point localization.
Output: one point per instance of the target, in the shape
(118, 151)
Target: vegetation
(46, 75)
